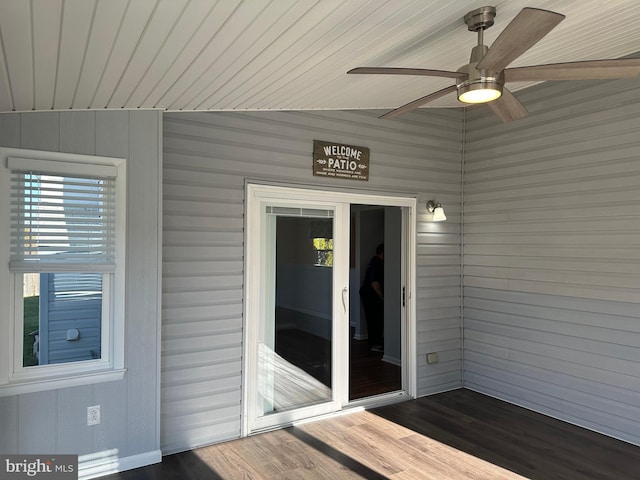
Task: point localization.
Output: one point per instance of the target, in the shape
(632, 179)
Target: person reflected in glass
(372, 297)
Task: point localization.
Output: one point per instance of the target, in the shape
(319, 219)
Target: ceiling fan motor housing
(479, 79)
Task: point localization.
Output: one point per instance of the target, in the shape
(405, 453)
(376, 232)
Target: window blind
(62, 223)
(298, 212)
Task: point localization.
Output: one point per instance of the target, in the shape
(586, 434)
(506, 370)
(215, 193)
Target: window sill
(50, 383)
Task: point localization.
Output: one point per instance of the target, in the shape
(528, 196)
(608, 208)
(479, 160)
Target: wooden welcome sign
(340, 161)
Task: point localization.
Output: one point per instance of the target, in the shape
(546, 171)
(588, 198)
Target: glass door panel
(295, 344)
(296, 305)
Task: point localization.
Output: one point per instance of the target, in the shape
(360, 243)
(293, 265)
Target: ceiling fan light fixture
(483, 90)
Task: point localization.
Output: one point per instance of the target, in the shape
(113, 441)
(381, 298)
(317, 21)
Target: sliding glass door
(297, 305)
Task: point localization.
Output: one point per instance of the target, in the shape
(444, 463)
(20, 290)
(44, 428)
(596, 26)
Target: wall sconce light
(437, 210)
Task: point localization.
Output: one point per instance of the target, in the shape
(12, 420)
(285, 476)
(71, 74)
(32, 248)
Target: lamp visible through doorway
(437, 210)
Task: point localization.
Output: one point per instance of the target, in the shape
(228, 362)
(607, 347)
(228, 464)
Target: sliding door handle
(345, 290)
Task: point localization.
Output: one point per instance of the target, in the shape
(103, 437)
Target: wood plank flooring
(450, 436)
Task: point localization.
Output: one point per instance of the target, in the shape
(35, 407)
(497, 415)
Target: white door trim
(256, 194)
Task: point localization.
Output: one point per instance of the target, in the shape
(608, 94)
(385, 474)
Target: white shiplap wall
(207, 157)
(552, 255)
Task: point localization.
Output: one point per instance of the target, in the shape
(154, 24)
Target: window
(64, 215)
(321, 233)
(324, 250)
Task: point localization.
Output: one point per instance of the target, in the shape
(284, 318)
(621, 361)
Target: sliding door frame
(314, 197)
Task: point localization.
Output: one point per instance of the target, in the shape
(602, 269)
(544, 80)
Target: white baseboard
(392, 360)
(105, 463)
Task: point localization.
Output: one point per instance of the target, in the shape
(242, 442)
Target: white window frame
(16, 379)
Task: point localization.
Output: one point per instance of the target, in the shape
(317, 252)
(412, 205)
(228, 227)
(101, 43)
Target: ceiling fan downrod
(479, 20)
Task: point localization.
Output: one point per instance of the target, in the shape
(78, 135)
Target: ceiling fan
(482, 79)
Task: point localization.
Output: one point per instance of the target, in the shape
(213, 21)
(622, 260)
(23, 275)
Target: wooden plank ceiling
(267, 54)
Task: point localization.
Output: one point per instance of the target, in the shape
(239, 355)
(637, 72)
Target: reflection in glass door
(296, 336)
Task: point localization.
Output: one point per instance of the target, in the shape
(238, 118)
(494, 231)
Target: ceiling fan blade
(419, 102)
(406, 71)
(508, 107)
(524, 31)
(589, 70)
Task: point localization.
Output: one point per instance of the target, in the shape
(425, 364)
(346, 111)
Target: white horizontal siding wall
(552, 255)
(55, 421)
(207, 157)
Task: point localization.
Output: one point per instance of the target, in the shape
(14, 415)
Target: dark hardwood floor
(368, 374)
(449, 436)
(533, 445)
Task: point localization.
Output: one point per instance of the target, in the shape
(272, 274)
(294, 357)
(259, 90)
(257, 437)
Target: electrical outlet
(93, 415)
(432, 358)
